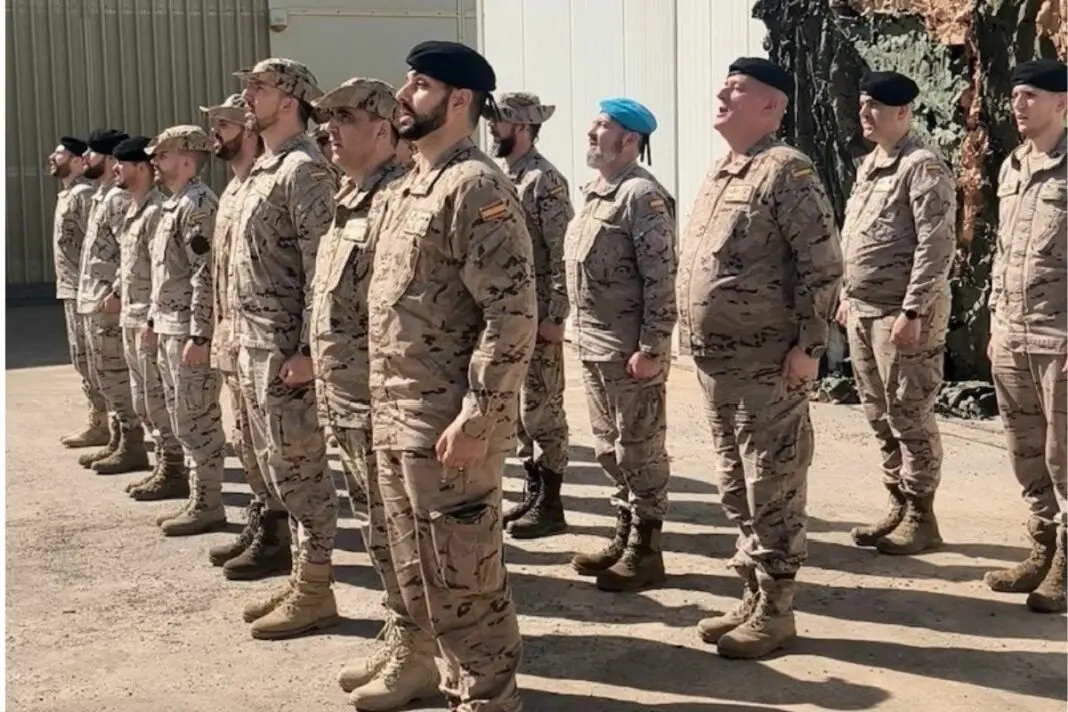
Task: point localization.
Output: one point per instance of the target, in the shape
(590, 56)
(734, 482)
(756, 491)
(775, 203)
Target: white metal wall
(671, 55)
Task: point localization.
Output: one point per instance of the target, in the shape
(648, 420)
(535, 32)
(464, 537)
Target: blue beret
(629, 114)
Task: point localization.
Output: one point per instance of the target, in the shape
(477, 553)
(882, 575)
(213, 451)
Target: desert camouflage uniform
(898, 242)
(98, 277)
(621, 262)
(181, 312)
(452, 325)
(73, 205)
(759, 272)
(1029, 335)
(135, 291)
(287, 206)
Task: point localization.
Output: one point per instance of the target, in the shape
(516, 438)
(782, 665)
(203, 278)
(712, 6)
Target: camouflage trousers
(763, 447)
(291, 450)
(365, 495)
(146, 387)
(447, 547)
(241, 439)
(628, 418)
(107, 365)
(543, 419)
(1032, 393)
(898, 386)
(193, 400)
(77, 341)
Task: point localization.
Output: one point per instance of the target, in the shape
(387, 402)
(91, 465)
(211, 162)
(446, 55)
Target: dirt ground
(105, 615)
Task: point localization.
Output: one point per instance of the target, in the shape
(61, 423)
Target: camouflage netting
(961, 53)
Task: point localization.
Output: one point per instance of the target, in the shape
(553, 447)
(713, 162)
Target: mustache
(406, 106)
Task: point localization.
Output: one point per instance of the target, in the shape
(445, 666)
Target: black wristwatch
(910, 314)
(200, 340)
(815, 351)
(304, 350)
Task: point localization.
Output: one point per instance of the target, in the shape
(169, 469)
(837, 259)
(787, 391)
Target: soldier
(168, 478)
(263, 546)
(68, 233)
(1029, 328)
(363, 138)
(452, 321)
(99, 306)
(620, 257)
(543, 193)
(898, 242)
(760, 269)
(286, 208)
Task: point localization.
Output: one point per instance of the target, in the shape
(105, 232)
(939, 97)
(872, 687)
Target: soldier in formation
(415, 307)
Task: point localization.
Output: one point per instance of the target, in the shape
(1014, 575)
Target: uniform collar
(741, 163)
(523, 164)
(606, 187)
(423, 183)
(351, 195)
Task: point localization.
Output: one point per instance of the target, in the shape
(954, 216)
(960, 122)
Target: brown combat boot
(409, 673)
(266, 602)
(918, 531)
(642, 562)
(171, 481)
(530, 494)
(546, 515)
(95, 433)
(594, 563)
(115, 435)
(130, 456)
(714, 628)
(1025, 576)
(268, 553)
(310, 605)
(1049, 597)
(771, 626)
(204, 513)
(870, 535)
(219, 555)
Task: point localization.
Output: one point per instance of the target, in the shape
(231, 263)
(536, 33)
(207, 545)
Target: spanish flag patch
(558, 192)
(493, 211)
(657, 204)
(801, 172)
(932, 168)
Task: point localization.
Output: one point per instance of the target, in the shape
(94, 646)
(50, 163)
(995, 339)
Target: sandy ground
(104, 614)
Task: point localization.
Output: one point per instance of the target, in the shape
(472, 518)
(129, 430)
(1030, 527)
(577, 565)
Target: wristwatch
(815, 351)
(910, 314)
(200, 340)
(304, 350)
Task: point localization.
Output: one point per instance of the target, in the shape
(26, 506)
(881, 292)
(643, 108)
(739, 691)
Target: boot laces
(399, 656)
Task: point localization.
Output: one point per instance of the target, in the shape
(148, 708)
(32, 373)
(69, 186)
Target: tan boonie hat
(372, 95)
(232, 110)
(185, 137)
(290, 76)
(521, 107)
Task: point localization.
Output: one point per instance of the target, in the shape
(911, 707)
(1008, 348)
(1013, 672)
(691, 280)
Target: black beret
(764, 71)
(453, 63)
(889, 88)
(74, 145)
(132, 150)
(1047, 74)
(104, 141)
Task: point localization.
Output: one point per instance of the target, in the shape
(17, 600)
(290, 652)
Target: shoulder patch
(558, 192)
(801, 172)
(494, 211)
(657, 204)
(318, 173)
(199, 245)
(932, 167)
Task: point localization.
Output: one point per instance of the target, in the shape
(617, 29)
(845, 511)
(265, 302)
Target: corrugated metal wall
(75, 65)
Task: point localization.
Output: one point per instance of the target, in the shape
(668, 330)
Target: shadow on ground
(36, 336)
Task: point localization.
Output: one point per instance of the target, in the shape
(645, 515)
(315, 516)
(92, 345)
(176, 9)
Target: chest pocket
(881, 212)
(398, 256)
(349, 242)
(1051, 218)
(603, 243)
(731, 218)
(161, 240)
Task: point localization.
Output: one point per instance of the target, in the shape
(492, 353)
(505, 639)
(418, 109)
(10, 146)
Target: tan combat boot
(309, 606)
(642, 562)
(410, 673)
(1049, 597)
(137, 484)
(95, 433)
(595, 562)
(269, 553)
(130, 456)
(714, 628)
(115, 435)
(1025, 576)
(219, 555)
(870, 535)
(204, 513)
(771, 626)
(259, 607)
(918, 531)
(362, 671)
(171, 481)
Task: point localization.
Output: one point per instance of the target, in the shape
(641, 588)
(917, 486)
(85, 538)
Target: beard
(423, 125)
(259, 124)
(598, 158)
(505, 146)
(94, 172)
(229, 150)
